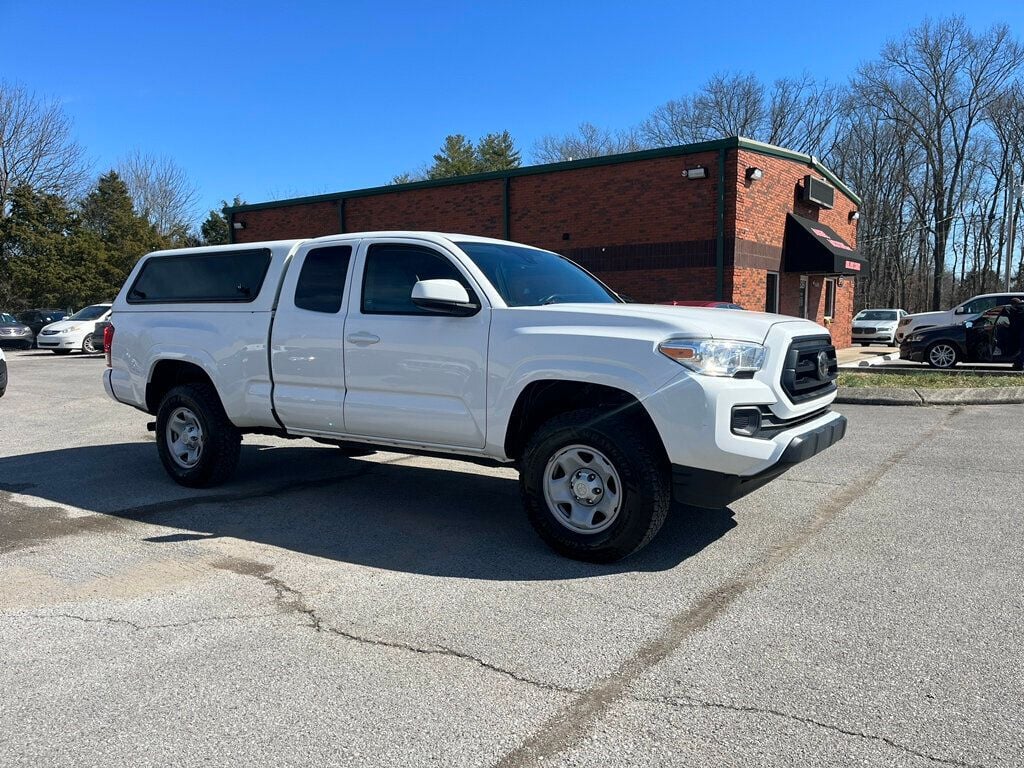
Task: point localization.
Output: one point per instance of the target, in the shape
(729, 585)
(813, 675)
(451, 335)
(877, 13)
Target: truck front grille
(810, 369)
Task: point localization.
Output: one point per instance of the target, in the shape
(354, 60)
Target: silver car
(876, 326)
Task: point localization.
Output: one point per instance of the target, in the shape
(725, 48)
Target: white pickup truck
(478, 348)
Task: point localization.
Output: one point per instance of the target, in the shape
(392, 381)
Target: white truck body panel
(450, 383)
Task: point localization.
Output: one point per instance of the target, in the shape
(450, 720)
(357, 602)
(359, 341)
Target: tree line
(930, 134)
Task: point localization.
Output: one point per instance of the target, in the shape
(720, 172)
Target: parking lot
(863, 609)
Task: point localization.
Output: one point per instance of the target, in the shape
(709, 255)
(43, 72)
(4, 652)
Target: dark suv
(37, 318)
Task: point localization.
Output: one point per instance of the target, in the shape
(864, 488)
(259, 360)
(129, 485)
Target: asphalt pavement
(863, 609)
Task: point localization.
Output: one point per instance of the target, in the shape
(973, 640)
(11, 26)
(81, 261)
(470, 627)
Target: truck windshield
(527, 277)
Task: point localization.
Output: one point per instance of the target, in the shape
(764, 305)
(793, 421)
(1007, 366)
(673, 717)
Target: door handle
(362, 338)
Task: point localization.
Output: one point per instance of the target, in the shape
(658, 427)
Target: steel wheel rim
(184, 437)
(942, 356)
(582, 489)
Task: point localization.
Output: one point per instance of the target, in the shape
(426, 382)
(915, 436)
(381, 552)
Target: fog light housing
(746, 421)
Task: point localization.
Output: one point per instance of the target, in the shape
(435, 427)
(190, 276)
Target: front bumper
(714, 490)
(58, 342)
(913, 352)
(887, 336)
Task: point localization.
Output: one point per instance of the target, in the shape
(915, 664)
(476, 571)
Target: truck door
(413, 374)
(306, 341)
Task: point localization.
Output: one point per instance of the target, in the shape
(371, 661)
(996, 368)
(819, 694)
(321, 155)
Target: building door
(802, 298)
(771, 292)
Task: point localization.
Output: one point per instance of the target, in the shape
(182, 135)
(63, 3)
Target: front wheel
(198, 445)
(595, 487)
(942, 355)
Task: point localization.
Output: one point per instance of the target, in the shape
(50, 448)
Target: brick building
(733, 220)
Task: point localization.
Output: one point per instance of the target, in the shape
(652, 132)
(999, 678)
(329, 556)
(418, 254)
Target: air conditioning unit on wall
(819, 192)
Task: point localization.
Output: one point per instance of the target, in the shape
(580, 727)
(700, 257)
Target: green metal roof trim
(733, 142)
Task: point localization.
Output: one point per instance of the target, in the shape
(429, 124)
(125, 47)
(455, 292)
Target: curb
(869, 361)
(925, 396)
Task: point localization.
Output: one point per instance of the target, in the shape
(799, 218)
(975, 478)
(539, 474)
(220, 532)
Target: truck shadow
(383, 512)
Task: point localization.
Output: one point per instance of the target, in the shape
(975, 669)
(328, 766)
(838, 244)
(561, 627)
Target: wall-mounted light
(238, 224)
(854, 215)
(840, 282)
(700, 172)
(754, 174)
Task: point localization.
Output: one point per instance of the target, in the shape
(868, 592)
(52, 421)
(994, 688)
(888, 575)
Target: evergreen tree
(456, 158)
(45, 257)
(215, 230)
(124, 235)
(497, 152)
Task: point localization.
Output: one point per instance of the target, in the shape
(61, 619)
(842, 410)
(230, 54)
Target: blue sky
(272, 99)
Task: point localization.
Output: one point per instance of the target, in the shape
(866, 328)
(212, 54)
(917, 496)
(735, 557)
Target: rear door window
(321, 282)
(223, 276)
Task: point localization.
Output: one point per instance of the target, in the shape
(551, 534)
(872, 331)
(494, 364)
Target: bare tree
(36, 147)
(798, 113)
(939, 81)
(161, 191)
(587, 141)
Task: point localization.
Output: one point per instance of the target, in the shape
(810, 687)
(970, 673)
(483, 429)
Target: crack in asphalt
(136, 627)
(691, 702)
(572, 724)
(293, 600)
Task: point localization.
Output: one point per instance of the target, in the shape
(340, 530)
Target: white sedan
(876, 326)
(74, 333)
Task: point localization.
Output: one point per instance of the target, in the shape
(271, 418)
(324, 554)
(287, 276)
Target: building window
(830, 298)
(771, 292)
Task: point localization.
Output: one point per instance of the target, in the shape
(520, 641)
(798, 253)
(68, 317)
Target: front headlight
(713, 357)
(915, 337)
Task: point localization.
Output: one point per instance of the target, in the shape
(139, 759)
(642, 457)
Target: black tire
(221, 440)
(864, 343)
(88, 348)
(937, 360)
(637, 457)
(62, 351)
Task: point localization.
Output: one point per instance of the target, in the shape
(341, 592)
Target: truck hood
(656, 320)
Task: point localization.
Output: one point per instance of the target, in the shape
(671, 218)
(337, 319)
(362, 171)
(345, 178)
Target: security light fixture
(700, 172)
(854, 215)
(238, 225)
(754, 174)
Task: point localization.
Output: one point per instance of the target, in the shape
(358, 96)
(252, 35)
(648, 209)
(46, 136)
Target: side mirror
(960, 311)
(443, 296)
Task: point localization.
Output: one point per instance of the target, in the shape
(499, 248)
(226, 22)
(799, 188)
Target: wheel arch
(543, 399)
(169, 373)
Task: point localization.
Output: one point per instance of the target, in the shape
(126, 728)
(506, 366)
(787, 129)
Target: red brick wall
(468, 209)
(656, 286)
(303, 220)
(749, 288)
(648, 201)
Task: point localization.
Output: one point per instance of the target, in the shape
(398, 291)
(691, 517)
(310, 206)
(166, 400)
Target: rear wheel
(88, 347)
(198, 445)
(942, 355)
(864, 343)
(595, 487)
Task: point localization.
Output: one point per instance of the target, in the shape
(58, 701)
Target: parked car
(714, 304)
(74, 333)
(478, 348)
(98, 335)
(3, 373)
(37, 318)
(876, 326)
(13, 333)
(986, 339)
(968, 310)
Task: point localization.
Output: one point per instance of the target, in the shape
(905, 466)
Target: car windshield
(5, 318)
(877, 315)
(527, 277)
(90, 313)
